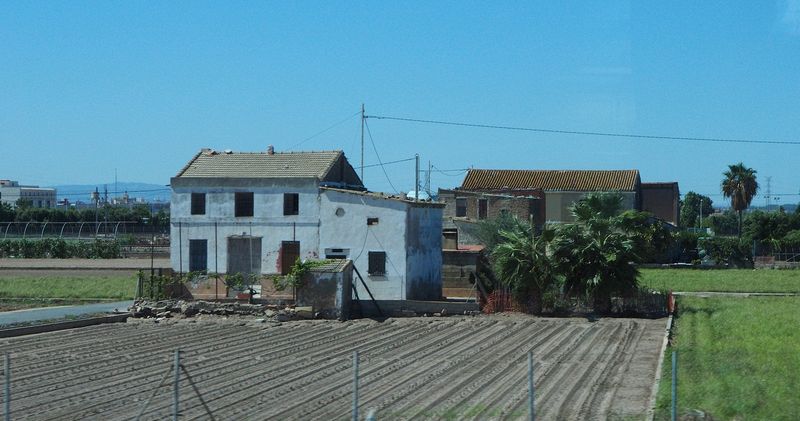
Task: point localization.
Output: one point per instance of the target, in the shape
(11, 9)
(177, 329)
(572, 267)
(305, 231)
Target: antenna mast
(363, 117)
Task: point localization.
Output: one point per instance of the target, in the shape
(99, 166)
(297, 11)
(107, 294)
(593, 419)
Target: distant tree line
(139, 213)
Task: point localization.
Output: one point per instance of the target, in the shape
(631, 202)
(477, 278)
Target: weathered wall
(459, 269)
(662, 200)
(219, 222)
(424, 258)
(349, 232)
(328, 293)
(521, 204)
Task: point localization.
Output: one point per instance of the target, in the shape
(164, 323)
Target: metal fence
(80, 230)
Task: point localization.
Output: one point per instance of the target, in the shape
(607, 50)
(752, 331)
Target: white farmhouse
(259, 212)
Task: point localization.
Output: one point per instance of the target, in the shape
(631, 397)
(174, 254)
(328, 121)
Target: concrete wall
(328, 293)
(267, 222)
(348, 230)
(558, 204)
(424, 253)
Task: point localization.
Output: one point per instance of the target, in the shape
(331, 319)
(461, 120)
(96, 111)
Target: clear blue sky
(90, 87)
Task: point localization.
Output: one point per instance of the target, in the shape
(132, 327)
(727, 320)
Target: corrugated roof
(209, 163)
(567, 180)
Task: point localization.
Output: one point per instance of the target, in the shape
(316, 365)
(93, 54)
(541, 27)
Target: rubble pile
(186, 309)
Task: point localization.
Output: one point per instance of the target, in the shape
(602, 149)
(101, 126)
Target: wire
(578, 132)
(379, 157)
(459, 171)
(387, 163)
(323, 131)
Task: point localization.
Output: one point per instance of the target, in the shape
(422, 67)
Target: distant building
(39, 197)
(561, 188)
(259, 212)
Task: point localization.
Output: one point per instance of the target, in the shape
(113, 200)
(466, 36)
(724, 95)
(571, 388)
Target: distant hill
(82, 192)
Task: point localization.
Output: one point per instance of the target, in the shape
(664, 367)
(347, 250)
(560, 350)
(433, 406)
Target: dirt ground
(414, 368)
(42, 268)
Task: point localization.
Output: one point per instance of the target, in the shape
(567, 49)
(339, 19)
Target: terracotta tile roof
(208, 163)
(566, 180)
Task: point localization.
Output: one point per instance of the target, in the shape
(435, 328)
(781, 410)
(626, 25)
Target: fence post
(7, 392)
(355, 385)
(531, 406)
(176, 387)
(674, 411)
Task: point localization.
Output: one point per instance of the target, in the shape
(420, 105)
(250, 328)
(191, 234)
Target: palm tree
(595, 253)
(522, 263)
(740, 186)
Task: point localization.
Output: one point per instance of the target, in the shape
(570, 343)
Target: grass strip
(120, 287)
(738, 358)
(722, 280)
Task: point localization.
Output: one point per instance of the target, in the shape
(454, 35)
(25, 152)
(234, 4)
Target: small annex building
(258, 212)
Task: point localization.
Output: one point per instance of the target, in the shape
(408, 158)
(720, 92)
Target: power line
(386, 163)
(458, 171)
(379, 157)
(578, 132)
(325, 130)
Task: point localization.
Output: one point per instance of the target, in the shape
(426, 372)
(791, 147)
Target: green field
(727, 280)
(102, 287)
(738, 358)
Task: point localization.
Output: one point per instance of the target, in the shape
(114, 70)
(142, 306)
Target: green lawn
(728, 280)
(738, 358)
(116, 287)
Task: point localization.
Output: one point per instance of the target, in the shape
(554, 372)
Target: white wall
(267, 222)
(350, 231)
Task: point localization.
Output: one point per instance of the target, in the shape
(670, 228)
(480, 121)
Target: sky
(88, 89)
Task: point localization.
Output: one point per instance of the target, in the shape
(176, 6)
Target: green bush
(728, 251)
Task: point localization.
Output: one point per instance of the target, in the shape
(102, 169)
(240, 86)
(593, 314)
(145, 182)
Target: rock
(304, 312)
(437, 314)
(283, 317)
(164, 314)
(260, 320)
(270, 313)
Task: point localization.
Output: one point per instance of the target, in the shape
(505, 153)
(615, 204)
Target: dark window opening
(372, 221)
(291, 204)
(377, 263)
(198, 203)
(198, 255)
(483, 207)
(461, 207)
(244, 204)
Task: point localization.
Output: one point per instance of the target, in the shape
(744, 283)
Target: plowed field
(416, 368)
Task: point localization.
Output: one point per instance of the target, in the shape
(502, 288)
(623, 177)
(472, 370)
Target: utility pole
(363, 120)
(769, 193)
(416, 178)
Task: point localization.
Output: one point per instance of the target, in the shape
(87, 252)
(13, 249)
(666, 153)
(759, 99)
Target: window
(461, 207)
(198, 255)
(244, 204)
(198, 203)
(483, 206)
(372, 221)
(377, 263)
(291, 204)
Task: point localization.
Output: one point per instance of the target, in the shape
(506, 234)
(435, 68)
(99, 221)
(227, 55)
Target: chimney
(270, 150)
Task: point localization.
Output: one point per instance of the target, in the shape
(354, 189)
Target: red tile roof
(564, 180)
